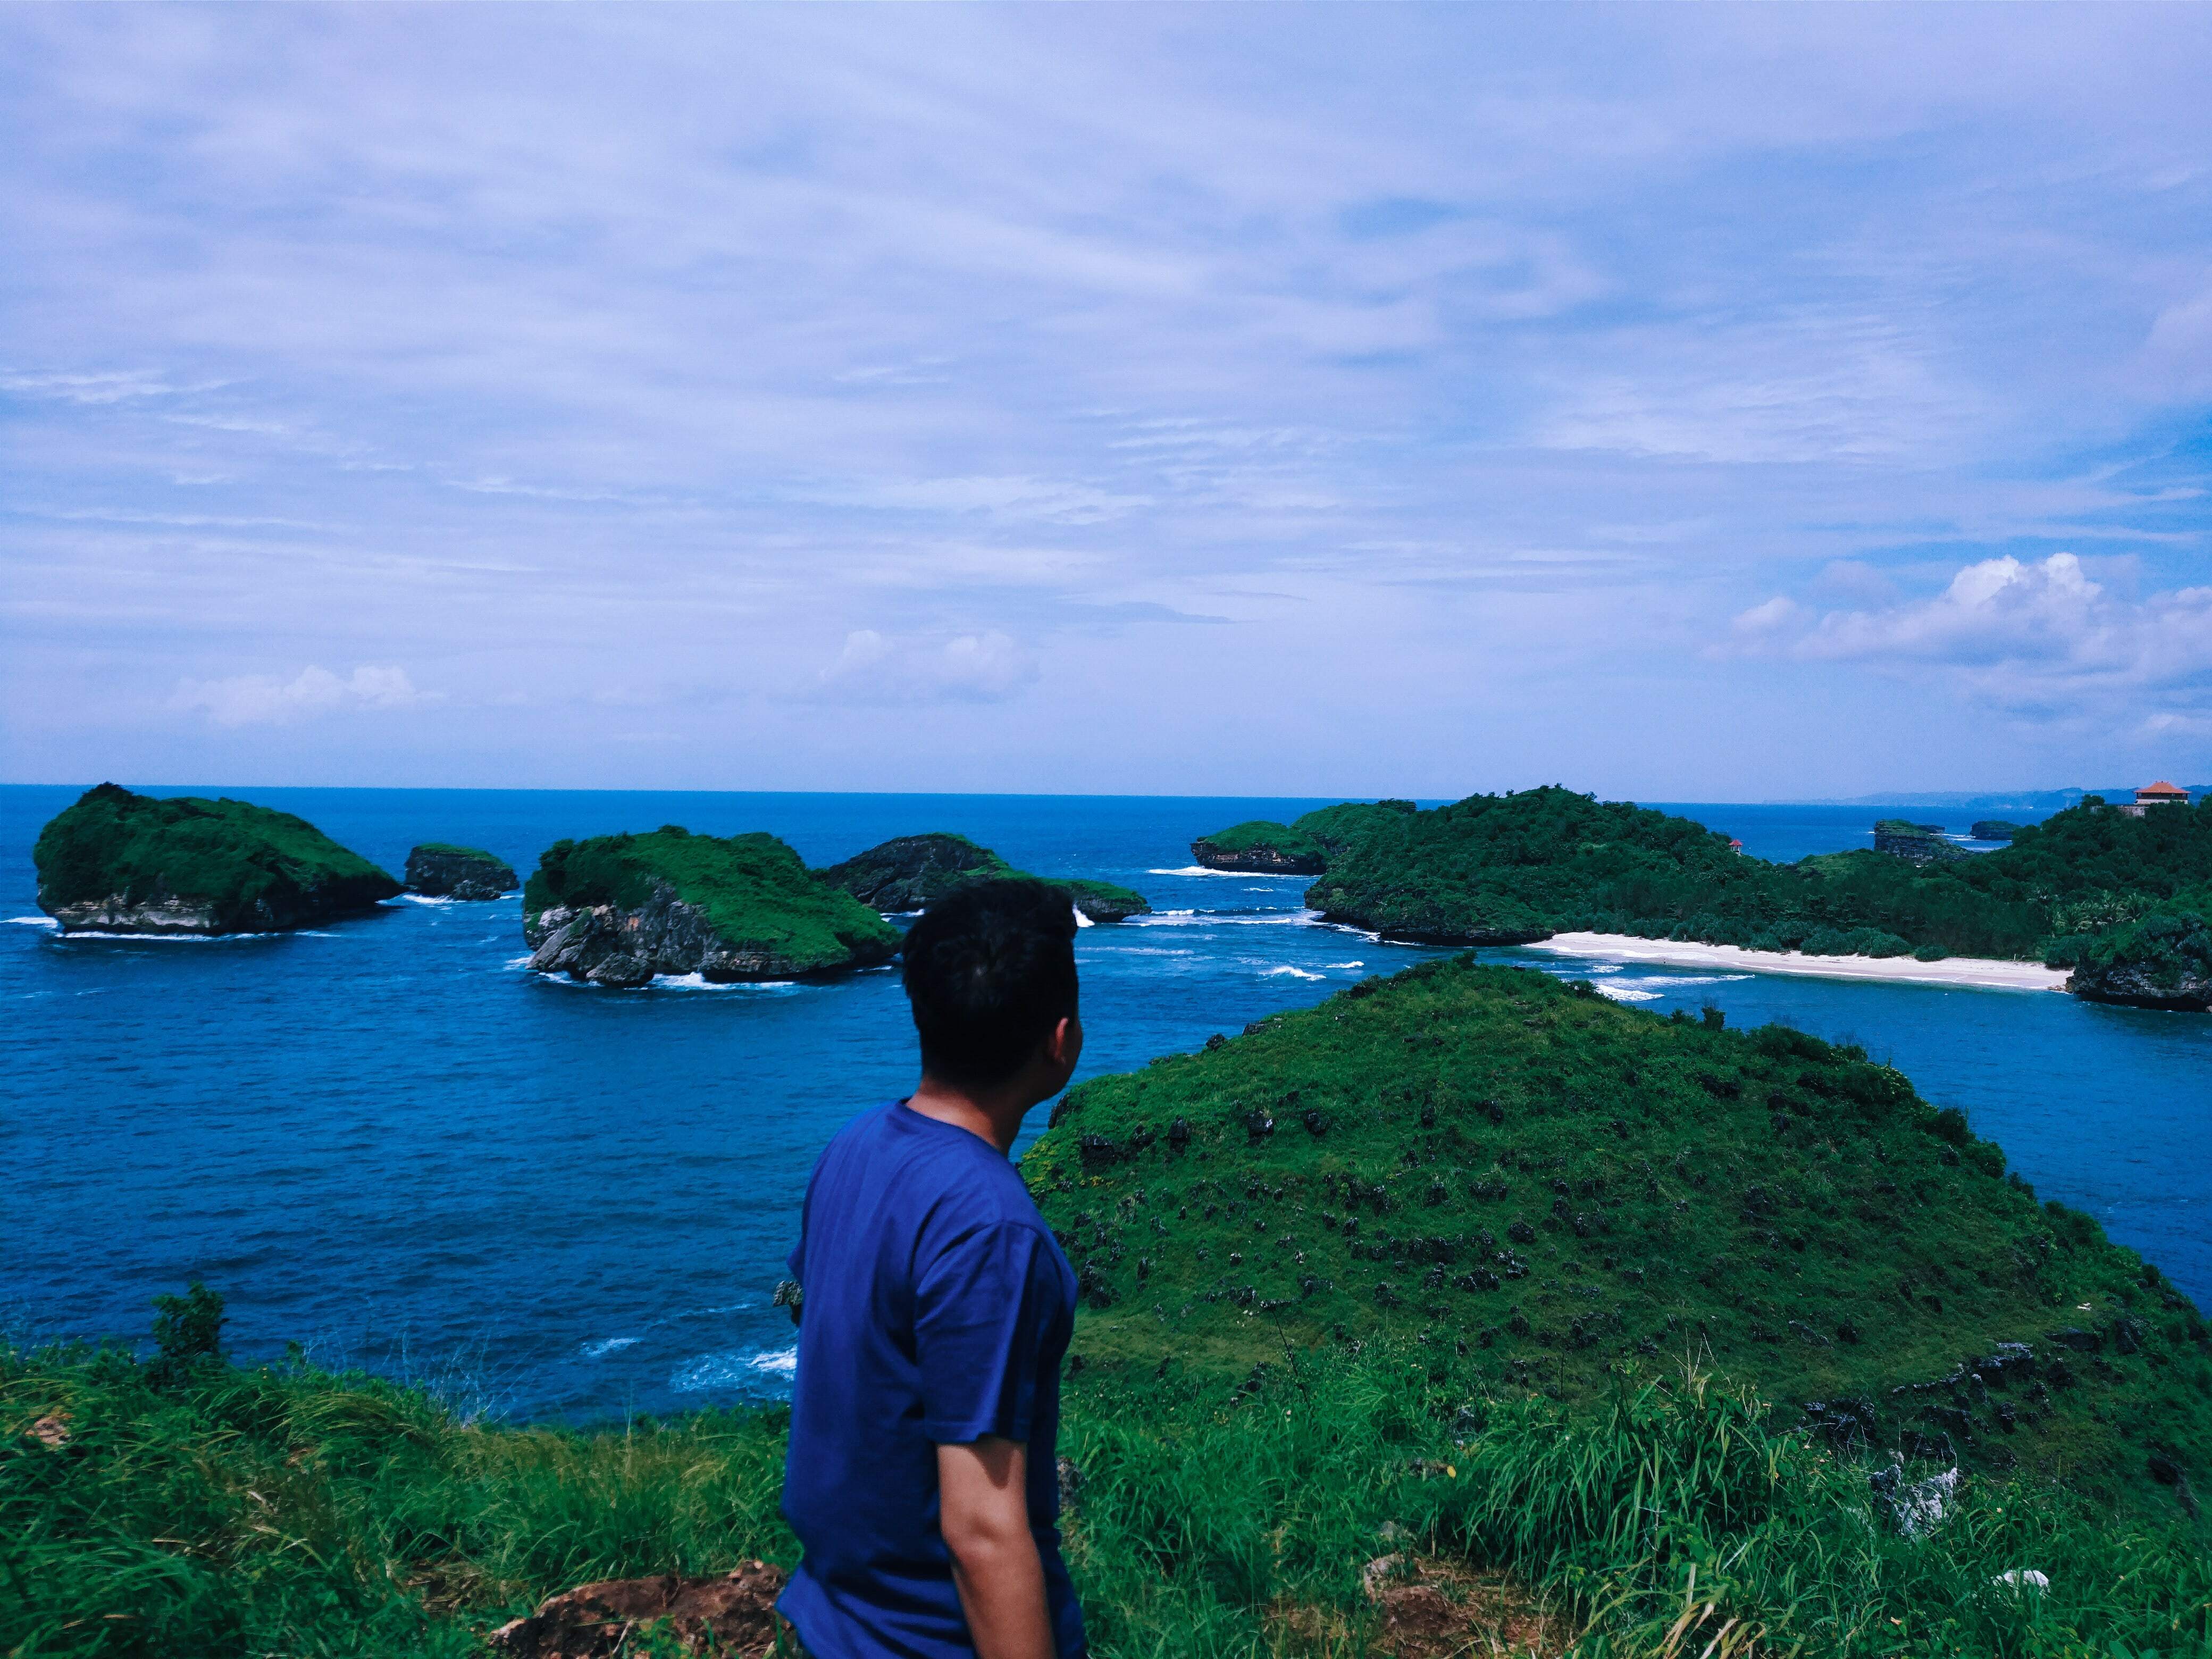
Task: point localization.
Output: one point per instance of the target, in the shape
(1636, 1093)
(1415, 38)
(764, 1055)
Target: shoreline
(1976, 973)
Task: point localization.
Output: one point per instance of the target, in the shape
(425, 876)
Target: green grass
(449, 850)
(754, 890)
(288, 1511)
(252, 865)
(1573, 1191)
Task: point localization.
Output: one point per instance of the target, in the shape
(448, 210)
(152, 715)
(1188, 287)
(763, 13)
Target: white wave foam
(701, 982)
(1344, 965)
(519, 961)
(1082, 920)
(601, 1349)
(1225, 919)
(1278, 972)
(34, 921)
(1625, 991)
(176, 938)
(1241, 875)
(722, 1370)
(426, 898)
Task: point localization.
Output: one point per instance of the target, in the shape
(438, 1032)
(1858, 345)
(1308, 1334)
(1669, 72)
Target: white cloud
(267, 700)
(872, 667)
(2025, 636)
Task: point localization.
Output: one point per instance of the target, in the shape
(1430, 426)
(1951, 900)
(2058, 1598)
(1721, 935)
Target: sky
(1677, 403)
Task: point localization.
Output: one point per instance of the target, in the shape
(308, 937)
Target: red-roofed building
(2160, 794)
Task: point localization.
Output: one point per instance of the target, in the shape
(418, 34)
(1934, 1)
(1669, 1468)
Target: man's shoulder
(915, 1158)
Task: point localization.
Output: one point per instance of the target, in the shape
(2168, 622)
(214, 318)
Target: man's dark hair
(990, 969)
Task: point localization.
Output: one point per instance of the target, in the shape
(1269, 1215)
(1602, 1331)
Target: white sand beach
(1978, 972)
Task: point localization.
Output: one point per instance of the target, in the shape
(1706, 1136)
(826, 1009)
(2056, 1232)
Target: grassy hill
(1567, 1192)
(236, 868)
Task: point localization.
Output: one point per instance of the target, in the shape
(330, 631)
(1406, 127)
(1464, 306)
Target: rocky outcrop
(618, 910)
(1994, 830)
(906, 872)
(1262, 848)
(435, 870)
(2172, 987)
(624, 948)
(911, 871)
(1923, 843)
(118, 862)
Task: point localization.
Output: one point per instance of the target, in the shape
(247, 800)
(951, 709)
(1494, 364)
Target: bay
(385, 1140)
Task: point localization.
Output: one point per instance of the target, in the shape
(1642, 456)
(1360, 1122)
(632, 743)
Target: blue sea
(386, 1140)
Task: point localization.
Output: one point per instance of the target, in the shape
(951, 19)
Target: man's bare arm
(983, 1500)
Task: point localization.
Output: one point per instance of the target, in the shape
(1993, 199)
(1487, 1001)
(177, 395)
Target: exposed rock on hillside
(1923, 843)
(909, 871)
(2163, 960)
(1490, 1160)
(616, 910)
(437, 869)
(729, 1615)
(122, 863)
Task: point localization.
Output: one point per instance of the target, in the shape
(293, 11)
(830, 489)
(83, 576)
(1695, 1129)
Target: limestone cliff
(438, 870)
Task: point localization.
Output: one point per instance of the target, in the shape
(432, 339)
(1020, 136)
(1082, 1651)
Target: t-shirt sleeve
(984, 1310)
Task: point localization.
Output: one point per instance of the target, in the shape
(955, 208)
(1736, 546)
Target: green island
(119, 862)
(616, 910)
(2124, 896)
(909, 871)
(1465, 1312)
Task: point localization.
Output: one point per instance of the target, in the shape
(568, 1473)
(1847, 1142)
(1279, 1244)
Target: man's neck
(992, 1114)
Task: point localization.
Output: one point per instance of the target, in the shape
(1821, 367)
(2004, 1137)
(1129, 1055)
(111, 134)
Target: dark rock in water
(118, 862)
(1923, 843)
(910, 873)
(907, 871)
(2162, 962)
(733, 1614)
(1994, 830)
(436, 870)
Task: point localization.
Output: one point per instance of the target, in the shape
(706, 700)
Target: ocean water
(386, 1140)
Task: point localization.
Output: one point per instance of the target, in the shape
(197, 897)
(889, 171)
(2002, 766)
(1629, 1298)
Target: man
(923, 1479)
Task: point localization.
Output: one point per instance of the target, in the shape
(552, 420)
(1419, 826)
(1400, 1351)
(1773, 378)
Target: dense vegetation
(187, 1506)
(754, 891)
(1302, 848)
(242, 867)
(910, 871)
(1569, 1192)
(1503, 869)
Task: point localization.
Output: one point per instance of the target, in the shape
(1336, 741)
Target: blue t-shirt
(937, 1309)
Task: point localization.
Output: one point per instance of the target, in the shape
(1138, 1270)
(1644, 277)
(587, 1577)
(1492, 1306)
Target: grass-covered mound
(1570, 1191)
(120, 862)
(623, 908)
(185, 1505)
(910, 871)
(1501, 869)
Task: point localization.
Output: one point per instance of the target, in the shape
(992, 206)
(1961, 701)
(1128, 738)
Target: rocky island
(908, 871)
(1994, 830)
(616, 910)
(1923, 843)
(1568, 1192)
(116, 862)
(437, 869)
(1263, 847)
